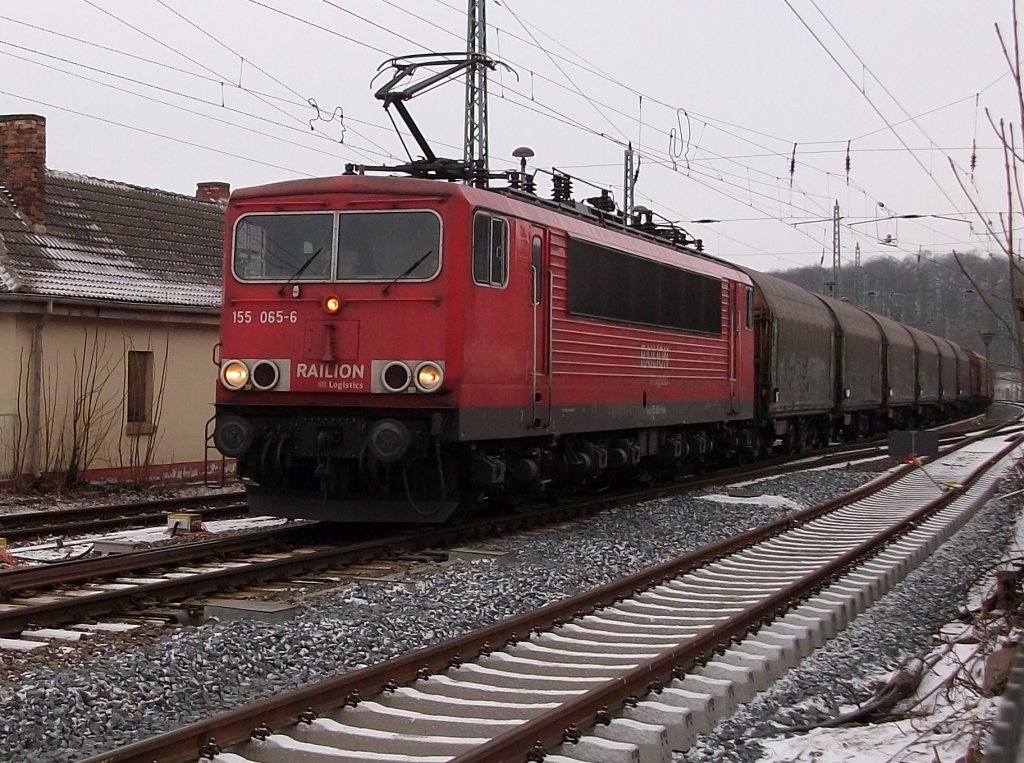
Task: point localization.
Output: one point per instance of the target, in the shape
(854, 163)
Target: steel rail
(84, 515)
(556, 726)
(61, 573)
(107, 523)
(236, 726)
(106, 602)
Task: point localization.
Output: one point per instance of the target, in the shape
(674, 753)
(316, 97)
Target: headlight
(396, 376)
(234, 374)
(332, 304)
(429, 376)
(265, 375)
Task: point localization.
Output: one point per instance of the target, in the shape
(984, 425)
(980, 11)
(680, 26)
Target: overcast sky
(167, 93)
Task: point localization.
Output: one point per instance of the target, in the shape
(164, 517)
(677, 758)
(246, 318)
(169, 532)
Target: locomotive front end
(335, 387)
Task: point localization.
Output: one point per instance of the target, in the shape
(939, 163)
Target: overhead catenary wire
(154, 133)
(871, 103)
(737, 188)
(243, 59)
(184, 55)
(325, 29)
(184, 109)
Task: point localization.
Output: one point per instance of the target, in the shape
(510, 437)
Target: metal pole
(627, 182)
(475, 145)
(837, 291)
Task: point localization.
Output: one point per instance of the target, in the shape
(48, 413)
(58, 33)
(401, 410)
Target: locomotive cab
(335, 375)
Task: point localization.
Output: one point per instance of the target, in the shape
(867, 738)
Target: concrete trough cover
(103, 547)
(467, 554)
(111, 586)
(58, 634)
(41, 599)
(20, 645)
(83, 593)
(106, 627)
(248, 609)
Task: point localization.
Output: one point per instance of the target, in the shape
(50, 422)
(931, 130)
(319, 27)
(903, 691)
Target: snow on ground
(949, 716)
(72, 548)
(76, 546)
(757, 500)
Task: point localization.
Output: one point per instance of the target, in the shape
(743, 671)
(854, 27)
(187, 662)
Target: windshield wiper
(408, 270)
(300, 271)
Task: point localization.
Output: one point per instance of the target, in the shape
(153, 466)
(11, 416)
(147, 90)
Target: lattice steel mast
(475, 145)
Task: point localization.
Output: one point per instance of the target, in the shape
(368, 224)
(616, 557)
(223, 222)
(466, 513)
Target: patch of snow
(759, 500)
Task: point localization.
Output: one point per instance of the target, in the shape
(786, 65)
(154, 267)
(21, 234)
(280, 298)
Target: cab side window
(490, 250)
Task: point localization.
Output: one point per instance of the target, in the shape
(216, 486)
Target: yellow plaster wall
(14, 338)
(90, 354)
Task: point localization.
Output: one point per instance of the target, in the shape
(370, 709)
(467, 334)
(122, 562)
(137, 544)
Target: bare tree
(1003, 233)
(82, 409)
(17, 438)
(76, 418)
(92, 408)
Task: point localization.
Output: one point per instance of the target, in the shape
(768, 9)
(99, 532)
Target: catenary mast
(475, 146)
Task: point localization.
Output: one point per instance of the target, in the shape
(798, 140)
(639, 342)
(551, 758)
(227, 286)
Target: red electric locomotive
(393, 346)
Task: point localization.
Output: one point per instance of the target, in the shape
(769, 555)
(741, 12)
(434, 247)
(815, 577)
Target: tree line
(932, 293)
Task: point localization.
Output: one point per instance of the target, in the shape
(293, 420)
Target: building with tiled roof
(109, 302)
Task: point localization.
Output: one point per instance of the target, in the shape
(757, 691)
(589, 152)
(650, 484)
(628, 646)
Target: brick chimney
(213, 191)
(23, 163)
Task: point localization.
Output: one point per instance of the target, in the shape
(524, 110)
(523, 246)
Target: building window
(490, 250)
(139, 406)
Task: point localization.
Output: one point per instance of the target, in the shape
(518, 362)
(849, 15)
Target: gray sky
(713, 94)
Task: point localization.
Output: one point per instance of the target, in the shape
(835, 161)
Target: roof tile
(113, 241)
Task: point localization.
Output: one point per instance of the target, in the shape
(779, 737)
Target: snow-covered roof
(111, 241)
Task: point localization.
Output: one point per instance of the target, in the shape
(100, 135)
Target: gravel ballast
(137, 690)
(846, 671)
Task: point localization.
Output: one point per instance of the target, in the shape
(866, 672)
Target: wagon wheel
(795, 438)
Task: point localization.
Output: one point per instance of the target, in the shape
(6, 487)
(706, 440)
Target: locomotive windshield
(276, 247)
(347, 246)
(385, 245)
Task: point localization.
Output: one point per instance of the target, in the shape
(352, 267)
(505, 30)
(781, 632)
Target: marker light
(234, 374)
(265, 375)
(396, 376)
(332, 304)
(428, 376)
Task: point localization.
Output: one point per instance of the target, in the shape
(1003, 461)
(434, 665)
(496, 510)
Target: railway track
(90, 519)
(60, 593)
(628, 671)
(64, 592)
(18, 526)
(62, 523)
